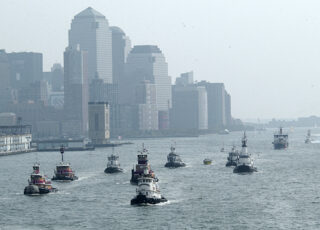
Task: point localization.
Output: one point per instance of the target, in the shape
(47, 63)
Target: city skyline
(234, 49)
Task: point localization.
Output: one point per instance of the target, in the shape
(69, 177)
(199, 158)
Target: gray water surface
(283, 194)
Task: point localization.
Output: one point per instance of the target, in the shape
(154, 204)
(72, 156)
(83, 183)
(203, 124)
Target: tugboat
(38, 183)
(63, 170)
(280, 140)
(148, 191)
(308, 138)
(141, 166)
(233, 157)
(174, 160)
(245, 162)
(207, 161)
(113, 165)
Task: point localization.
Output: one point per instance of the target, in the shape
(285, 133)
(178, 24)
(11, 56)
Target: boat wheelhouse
(233, 157)
(280, 140)
(173, 159)
(143, 164)
(113, 165)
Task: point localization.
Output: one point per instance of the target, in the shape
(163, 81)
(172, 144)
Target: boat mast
(62, 151)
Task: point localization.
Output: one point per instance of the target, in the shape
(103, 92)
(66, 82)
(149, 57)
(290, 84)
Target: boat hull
(231, 163)
(64, 178)
(280, 145)
(174, 164)
(143, 200)
(207, 162)
(35, 190)
(113, 170)
(244, 169)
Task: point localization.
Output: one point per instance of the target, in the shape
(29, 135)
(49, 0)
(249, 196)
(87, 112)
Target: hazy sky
(266, 52)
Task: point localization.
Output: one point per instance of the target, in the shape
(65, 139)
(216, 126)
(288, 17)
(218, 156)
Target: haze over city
(266, 52)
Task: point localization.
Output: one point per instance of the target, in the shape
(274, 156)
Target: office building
(99, 123)
(90, 30)
(75, 92)
(189, 108)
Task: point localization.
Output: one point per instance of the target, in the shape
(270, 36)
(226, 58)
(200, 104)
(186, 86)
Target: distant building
(90, 30)
(75, 92)
(8, 119)
(100, 91)
(147, 106)
(15, 139)
(189, 108)
(229, 119)
(57, 79)
(36, 92)
(25, 68)
(99, 125)
(146, 62)
(121, 46)
(6, 91)
(185, 79)
(219, 105)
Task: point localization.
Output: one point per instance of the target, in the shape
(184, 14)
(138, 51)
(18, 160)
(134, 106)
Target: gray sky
(267, 52)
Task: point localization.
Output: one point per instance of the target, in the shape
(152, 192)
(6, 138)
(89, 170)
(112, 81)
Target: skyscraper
(90, 30)
(147, 62)
(75, 92)
(121, 46)
(189, 108)
(216, 104)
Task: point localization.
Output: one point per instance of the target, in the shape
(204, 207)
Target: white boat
(244, 162)
(148, 191)
(113, 165)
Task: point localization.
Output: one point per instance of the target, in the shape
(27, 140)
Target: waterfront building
(216, 104)
(15, 139)
(75, 92)
(189, 108)
(99, 123)
(90, 30)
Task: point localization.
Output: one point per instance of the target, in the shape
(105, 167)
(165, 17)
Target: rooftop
(89, 13)
(145, 49)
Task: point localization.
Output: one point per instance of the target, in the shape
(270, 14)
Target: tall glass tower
(90, 30)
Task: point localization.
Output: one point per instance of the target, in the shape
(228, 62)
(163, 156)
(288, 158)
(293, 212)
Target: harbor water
(283, 194)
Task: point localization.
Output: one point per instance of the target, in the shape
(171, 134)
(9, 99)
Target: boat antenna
(62, 151)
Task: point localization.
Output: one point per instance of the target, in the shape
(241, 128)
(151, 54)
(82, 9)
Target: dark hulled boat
(113, 165)
(174, 160)
(38, 183)
(148, 191)
(244, 162)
